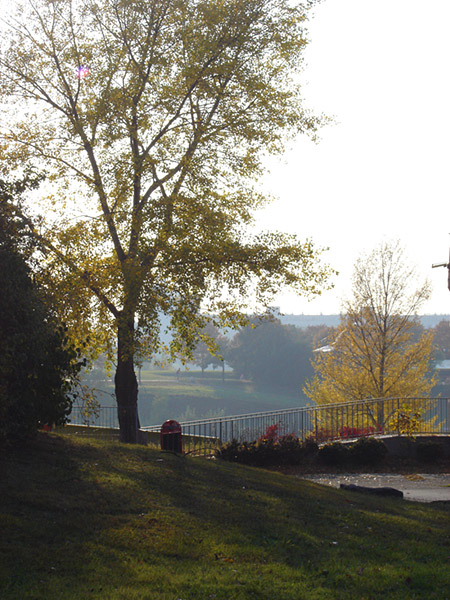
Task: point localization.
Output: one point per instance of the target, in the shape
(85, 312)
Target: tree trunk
(380, 410)
(126, 385)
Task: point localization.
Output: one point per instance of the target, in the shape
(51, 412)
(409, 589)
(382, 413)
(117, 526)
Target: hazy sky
(382, 170)
(381, 68)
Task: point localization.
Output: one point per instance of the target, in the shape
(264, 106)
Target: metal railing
(325, 423)
(101, 416)
(349, 420)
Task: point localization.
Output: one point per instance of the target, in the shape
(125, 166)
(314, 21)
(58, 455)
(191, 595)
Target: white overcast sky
(382, 69)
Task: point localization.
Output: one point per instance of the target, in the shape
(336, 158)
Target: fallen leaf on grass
(224, 558)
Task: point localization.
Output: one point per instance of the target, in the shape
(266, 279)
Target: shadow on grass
(104, 520)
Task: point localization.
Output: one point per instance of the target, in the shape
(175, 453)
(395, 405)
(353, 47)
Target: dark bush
(429, 450)
(38, 365)
(290, 450)
(311, 448)
(368, 451)
(334, 454)
(264, 452)
(230, 451)
(286, 450)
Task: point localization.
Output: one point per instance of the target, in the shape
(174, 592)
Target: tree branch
(85, 275)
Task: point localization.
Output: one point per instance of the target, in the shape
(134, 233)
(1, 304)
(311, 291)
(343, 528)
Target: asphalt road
(418, 487)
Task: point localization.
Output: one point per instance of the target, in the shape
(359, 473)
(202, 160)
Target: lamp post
(447, 265)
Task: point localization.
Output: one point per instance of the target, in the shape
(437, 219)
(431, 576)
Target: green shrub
(38, 366)
(286, 450)
(311, 448)
(232, 451)
(429, 450)
(290, 450)
(368, 451)
(265, 452)
(334, 454)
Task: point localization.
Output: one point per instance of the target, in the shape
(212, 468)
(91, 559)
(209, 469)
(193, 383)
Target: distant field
(194, 396)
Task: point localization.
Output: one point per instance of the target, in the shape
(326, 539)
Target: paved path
(420, 487)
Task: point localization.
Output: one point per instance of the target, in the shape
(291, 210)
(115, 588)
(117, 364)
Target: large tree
(271, 354)
(152, 118)
(376, 351)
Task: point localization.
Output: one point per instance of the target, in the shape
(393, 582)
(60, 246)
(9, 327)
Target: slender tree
(376, 352)
(151, 118)
(210, 348)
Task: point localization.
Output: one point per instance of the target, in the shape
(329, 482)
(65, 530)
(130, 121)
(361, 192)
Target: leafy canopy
(271, 354)
(152, 118)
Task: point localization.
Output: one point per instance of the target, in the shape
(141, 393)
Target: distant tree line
(265, 351)
(281, 356)
(379, 349)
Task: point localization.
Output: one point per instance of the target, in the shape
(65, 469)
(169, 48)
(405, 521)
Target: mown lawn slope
(89, 519)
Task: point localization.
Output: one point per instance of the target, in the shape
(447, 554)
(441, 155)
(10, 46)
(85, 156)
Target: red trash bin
(171, 436)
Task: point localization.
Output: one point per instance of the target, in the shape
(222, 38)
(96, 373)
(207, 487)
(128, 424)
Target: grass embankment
(199, 398)
(93, 519)
(195, 396)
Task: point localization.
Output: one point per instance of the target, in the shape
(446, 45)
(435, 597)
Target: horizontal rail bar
(347, 420)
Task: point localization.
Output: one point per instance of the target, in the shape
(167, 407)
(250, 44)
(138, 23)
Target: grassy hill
(202, 397)
(89, 519)
(195, 396)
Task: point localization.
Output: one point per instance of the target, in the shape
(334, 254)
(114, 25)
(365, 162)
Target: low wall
(405, 447)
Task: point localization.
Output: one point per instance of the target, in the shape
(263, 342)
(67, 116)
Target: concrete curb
(418, 487)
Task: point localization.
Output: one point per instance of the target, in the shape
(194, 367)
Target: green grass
(193, 396)
(202, 398)
(94, 519)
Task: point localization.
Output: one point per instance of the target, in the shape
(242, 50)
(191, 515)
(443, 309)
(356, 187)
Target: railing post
(380, 416)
